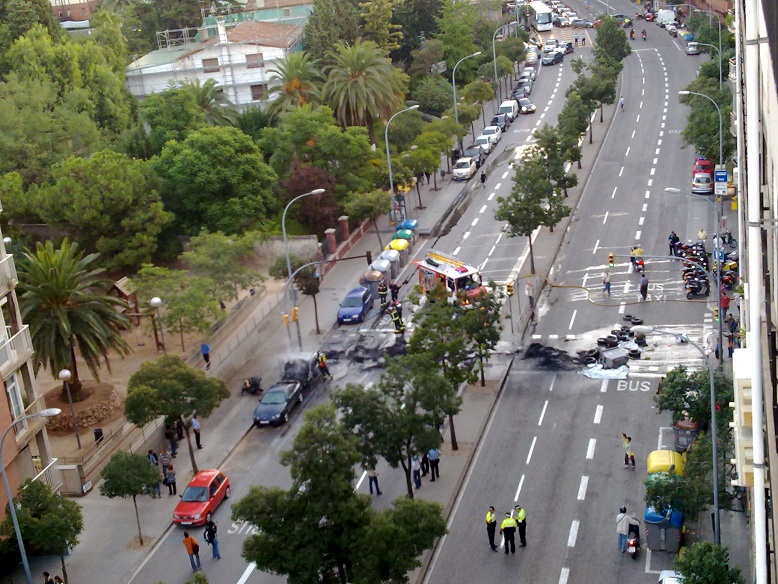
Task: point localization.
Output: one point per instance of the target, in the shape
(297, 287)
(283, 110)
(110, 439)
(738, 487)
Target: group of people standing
(394, 309)
(163, 461)
(427, 463)
(512, 522)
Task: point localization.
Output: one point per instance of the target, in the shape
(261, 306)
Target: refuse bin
(614, 358)
(407, 235)
(684, 434)
(410, 224)
(663, 461)
(382, 266)
(98, 432)
(393, 257)
(400, 246)
(370, 280)
(673, 532)
(656, 527)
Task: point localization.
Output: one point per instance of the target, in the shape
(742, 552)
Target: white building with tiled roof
(238, 58)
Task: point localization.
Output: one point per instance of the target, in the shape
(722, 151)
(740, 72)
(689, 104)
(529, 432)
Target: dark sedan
(553, 58)
(526, 106)
(277, 403)
(501, 121)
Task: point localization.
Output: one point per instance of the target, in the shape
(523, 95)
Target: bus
(540, 16)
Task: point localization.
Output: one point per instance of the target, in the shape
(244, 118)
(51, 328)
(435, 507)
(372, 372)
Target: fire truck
(462, 281)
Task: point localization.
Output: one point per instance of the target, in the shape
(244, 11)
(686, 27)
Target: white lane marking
(661, 134)
(466, 235)
(638, 118)
(582, 488)
(573, 534)
(364, 474)
(553, 381)
(637, 235)
(497, 186)
(590, 448)
(474, 222)
(490, 197)
(483, 265)
(543, 115)
(621, 308)
(633, 133)
(650, 183)
(483, 209)
(627, 287)
(531, 449)
(586, 277)
(605, 218)
(518, 491)
(499, 237)
(658, 142)
(648, 193)
(653, 171)
(656, 152)
(613, 194)
(542, 414)
(627, 152)
(641, 220)
(621, 171)
(504, 174)
(547, 108)
(564, 575)
(645, 207)
(598, 415)
(491, 251)
(456, 251)
(249, 569)
(656, 159)
(604, 385)
(572, 319)
(641, 105)
(596, 245)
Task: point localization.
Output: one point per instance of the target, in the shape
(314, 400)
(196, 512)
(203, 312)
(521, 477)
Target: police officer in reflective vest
(521, 520)
(508, 529)
(382, 292)
(491, 527)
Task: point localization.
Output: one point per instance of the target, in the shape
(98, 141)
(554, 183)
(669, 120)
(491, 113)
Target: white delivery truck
(664, 16)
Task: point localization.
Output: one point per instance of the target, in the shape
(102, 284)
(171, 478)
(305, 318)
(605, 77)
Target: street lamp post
(714, 428)
(494, 54)
(156, 302)
(710, 15)
(389, 158)
(289, 260)
(46, 413)
(454, 85)
(64, 377)
(718, 52)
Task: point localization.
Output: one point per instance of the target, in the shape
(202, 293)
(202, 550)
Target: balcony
(51, 475)
(8, 278)
(15, 351)
(26, 431)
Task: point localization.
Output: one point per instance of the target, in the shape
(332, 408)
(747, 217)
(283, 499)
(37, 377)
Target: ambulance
(462, 281)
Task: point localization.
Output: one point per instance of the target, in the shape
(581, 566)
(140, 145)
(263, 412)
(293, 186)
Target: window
(210, 65)
(287, 12)
(255, 60)
(15, 401)
(83, 11)
(258, 91)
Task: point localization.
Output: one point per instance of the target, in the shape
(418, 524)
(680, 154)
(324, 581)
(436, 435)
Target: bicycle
(727, 238)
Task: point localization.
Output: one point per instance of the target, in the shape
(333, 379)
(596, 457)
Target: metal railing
(50, 475)
(8, 277)
(31, 424)
(15, 350)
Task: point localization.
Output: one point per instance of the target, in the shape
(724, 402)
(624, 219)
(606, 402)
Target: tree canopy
(707, 563)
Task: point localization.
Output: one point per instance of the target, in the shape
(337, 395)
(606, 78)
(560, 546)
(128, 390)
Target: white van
(510, 108)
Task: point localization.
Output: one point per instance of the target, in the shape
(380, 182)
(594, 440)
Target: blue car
(355, 306)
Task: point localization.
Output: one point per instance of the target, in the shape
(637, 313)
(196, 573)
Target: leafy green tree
(586, 88)
(330, 22)
(707, 563)
(216, 179)
(40, 130)
(171, 115)
(478, 92)
(456, 25)
(605, 74)
(108, 204)
(533, 201)
(127, 475)
(189, 303)
(377, 25)
(48, 522)
(317, 212)
(217, 109)
(466, 113)
(425, 57)
(299, 82)
(421, 161)
(169, 387)
(433, 94)
(361, 84)
(405, 129)
(706, 139)
(417, 18)
(504, 70)
(483, 326)
(611, 41)
(63, 300)
(369, 206)
(512, 47)
(223, 258)
(687, 394)
(251, 121)
(437, 137)
(573, 122)
(552, 155)
(398, 418)
(19, 16)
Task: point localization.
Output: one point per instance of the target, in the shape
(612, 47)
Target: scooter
(252, 385)
(697, 287)
(633, 542)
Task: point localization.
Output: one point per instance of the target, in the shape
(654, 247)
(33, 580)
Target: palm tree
(299, 83)
(63, 301)
(362, 85)
(218, 110)
(118, 5)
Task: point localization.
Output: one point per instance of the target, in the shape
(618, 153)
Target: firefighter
(399, 326)
(399, 308)
(382, 292)
(395, 290)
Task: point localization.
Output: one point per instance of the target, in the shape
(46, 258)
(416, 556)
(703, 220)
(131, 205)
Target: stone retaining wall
(88, 417)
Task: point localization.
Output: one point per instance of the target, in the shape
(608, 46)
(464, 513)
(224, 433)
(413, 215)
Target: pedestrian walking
(163, 459)
(672, 241)
(322, 362)
(521, 521)
(702, 235)
(491, 527)
(644, 287)
(58, 580)
(583, 40)
(172, 437)
(47, 578)
(205, 351)
(395, 291)
(434, 457)
(730, 344)
(508, 530)
(196, 430)
(483, 179)
(427, 175)
(170, 480)
(606, 282)
(724, 305)
(575, 39)
(425, 465)
(382, 292)
(416, 469)
(193, 549)
(180, 431)
(629, 454)
(529, 292)
(621, 103)
(154, 460)
(623, 523)
(372, 480)
(209, 535)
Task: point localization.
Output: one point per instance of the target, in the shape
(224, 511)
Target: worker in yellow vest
(491, 527)
(521, 520)
(508, 529)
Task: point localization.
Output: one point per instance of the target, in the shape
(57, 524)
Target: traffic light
(611, 259)
(716, 313)
(509, 288)
(286, 320)
(295, 310)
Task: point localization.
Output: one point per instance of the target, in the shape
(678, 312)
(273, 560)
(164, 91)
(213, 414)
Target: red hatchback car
(201, 498)
(702, 165)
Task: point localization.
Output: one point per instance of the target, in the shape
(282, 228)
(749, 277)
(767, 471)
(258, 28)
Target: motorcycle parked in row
(696, 287)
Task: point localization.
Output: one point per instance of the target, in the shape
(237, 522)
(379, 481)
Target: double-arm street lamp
(46, 413)
(718, 52)
(494, 55)
(389, 158)
(454, 85)
(714, 429)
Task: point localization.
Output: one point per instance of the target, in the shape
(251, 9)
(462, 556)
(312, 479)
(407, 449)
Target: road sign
(721, 181)
(718, 254)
